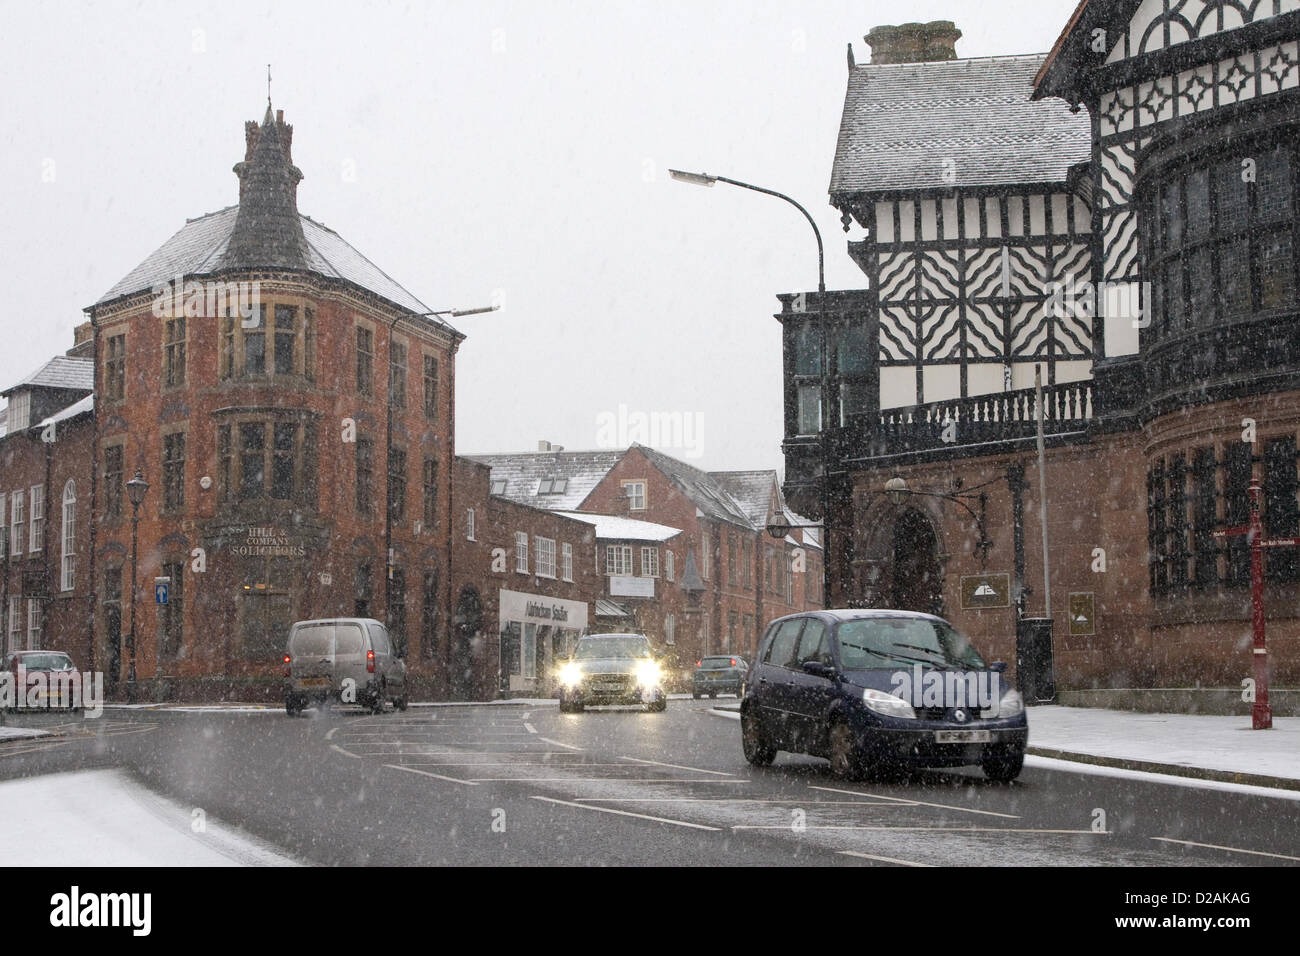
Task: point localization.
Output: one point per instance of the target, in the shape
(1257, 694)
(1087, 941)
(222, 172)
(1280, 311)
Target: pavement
(1197, 746)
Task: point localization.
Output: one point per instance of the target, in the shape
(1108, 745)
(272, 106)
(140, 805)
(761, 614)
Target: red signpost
(1261, 715)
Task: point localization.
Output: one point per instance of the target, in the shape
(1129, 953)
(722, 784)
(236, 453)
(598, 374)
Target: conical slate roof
(268, 232)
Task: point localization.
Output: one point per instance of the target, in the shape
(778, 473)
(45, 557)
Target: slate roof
(62, 371)
(197, 249)
(524, 471)
(753, 490)
(902, 121)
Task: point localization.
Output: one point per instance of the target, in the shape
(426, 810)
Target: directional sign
(161, 589)
(986, 590)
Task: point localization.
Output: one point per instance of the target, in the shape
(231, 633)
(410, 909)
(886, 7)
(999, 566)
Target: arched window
(69, 563)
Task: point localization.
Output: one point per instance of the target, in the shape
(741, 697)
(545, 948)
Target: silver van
(345, 659)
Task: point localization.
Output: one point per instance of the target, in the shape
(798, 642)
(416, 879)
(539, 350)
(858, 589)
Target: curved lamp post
(704, 179)
(897, 492)
(135, 489)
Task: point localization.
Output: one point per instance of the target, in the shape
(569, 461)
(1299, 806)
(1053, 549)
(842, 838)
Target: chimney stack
(914, 42)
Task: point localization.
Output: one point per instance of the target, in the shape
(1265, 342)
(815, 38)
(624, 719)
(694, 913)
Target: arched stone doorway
(467, 629)
(916, 581)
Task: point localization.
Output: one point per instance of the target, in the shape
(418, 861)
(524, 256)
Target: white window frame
(17, 521)
(670, 570)
(566, 561)
(545, 548)
(618, 560)
(670, 629)
(36, 526)
(528, 652)
(15, 622)
(20, 411)
(521, 552)
(4, 521)
(706, 556)
(33, 624)
(635, 490)
(649, 562)
(68, 558)
(469, 525)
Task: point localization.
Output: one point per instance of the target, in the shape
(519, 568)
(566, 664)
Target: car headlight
(570, 674)
(1010, 705)
(648, 674)
(887, 704)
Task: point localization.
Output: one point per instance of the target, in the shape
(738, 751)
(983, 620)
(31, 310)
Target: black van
(880, 690)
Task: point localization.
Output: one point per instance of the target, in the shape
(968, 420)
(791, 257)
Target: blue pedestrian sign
(161, 586)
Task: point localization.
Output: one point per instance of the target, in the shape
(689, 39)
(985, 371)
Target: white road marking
(729, 714)
(425, 773)
(558, 744)
(529, 727)
(345, 753)
(330, 735)
(883, 859)
(625, 813)
(1230, 849)
(675, 766)
(786, 826)
(917, 803)
(1174, 780)
(788, 803)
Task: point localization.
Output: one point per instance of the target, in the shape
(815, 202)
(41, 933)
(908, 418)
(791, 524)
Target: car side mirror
(999, 667)
(818, 669)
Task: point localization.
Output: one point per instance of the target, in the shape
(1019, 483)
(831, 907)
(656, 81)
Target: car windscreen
(881, 642)
(46, 662)
(608, 647)
(716, 662)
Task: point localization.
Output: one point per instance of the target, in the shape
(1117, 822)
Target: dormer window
(20, 410)
(498, 486)
(552, 486)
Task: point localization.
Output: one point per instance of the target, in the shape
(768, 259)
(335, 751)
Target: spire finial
(268, 86)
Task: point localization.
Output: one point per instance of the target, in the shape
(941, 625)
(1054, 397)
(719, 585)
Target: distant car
(612, 669)
(877, 691)
(724, 674)
(350, 660)
(53, 662)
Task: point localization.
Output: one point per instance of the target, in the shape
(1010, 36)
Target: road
(524, 784)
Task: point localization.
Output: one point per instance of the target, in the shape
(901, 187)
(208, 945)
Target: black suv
(880, 691)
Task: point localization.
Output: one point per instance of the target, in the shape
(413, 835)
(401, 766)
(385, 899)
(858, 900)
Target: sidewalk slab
(1223, 748)
(22, 733)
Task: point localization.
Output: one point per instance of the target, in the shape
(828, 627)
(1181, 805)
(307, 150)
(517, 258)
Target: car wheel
(713, 694)
(757, 750)
(659, 706)
(400, 702)
(1003, 766)
(845, 761)
(292, 706)
(377, 705)
(695, 694)
(577, 707)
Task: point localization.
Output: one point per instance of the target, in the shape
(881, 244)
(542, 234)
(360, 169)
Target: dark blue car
(880, 691)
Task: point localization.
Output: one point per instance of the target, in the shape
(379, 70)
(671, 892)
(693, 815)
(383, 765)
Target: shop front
(535, 631)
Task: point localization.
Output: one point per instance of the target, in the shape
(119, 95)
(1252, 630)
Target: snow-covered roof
(523, 474)
(62, 371)
(616, 527)
(82, 406)
(198, 247)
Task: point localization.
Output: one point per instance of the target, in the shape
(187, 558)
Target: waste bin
(1035, 678)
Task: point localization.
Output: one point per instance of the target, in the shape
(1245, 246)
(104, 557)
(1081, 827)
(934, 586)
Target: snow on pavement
(104, 818)
(1186, 740)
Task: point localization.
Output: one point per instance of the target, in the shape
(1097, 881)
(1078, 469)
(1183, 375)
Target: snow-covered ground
(1185, 740)
(104, 818)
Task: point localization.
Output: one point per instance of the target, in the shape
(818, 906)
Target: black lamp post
(897, 491)
(135, 489)
(704, 179)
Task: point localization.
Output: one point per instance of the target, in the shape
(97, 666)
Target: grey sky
(476, 152)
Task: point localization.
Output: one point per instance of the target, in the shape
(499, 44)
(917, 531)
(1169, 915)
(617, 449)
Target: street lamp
(896, 491)
(704, 179)
(135, 489)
